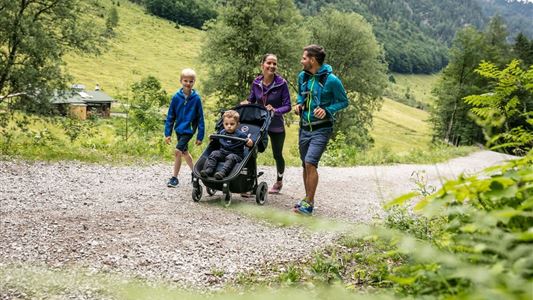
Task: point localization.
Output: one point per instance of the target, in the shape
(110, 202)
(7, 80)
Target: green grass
(39, 282)
(419, 85)
(144, 45)
(401, 128)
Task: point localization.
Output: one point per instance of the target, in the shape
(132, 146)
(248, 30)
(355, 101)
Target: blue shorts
(183, 142)
(313, 143)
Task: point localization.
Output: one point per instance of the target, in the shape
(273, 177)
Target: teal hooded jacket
(322, 89)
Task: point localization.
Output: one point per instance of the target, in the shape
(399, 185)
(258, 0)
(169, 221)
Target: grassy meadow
(419, 85)
(401, 128)
(144, 45)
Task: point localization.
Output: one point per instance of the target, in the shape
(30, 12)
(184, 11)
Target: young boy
(185, 115)
(231, 151)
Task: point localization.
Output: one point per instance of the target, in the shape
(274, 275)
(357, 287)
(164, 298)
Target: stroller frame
(254, 119)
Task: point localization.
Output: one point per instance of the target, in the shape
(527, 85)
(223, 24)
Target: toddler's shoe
(206, 172)
(219, 175)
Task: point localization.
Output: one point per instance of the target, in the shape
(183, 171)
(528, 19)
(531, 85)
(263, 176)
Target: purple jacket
(277, 95)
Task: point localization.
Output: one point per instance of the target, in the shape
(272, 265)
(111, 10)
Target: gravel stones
(124, 219)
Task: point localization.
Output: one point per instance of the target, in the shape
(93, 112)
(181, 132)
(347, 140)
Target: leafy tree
(147, 97)
(34, 36)
(142, 107)
(242, 34)
(357, 59)
(507, 108)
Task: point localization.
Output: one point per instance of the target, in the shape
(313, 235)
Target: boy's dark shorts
(313, 143)
(183, 142)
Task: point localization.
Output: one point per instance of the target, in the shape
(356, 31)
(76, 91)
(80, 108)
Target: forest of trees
(473, 93)
(192, 13)
(416, 34)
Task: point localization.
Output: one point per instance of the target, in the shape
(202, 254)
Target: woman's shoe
(276, 187)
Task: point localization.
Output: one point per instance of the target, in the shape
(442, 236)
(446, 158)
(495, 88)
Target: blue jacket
(314, 91)
(185, 115)
(233, 146)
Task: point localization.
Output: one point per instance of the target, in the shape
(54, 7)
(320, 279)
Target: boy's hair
(317, 52)
(231, 114)
(188, 73)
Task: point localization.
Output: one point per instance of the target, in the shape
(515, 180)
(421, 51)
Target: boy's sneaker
(276, 187)
(305, 208)
(173, 182)
(219, 175)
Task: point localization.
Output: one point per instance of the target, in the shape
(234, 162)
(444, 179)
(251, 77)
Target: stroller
(254, 120)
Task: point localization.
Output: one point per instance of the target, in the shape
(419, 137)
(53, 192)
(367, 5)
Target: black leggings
(277, 139)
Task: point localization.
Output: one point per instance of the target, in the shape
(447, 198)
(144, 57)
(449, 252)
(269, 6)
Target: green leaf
(469, 228)
(527, 204)
(402, 280)
(525, 236)
(400, 200)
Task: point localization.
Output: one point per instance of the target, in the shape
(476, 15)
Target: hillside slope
(144, 45)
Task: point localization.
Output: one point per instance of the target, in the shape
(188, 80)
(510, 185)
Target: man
(320, 95)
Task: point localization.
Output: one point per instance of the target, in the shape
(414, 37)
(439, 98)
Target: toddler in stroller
(231, 149)
(238, 176)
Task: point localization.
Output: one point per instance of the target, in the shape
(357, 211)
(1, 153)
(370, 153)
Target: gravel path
(125, 219)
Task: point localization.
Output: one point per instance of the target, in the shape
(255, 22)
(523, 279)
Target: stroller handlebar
(221, 136)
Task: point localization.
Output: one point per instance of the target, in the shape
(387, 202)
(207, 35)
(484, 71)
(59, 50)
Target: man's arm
(300, 99)
(340, 99)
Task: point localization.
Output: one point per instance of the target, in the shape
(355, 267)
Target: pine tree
(523, 49)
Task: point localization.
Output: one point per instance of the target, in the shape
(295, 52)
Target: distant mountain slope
(518, 15)
(416, 33)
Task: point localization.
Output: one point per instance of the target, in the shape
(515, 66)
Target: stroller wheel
(261, 193)
(227, 195)
(196, 192)
(210, 191)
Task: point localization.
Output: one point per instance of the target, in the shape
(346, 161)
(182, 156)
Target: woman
(271, 90)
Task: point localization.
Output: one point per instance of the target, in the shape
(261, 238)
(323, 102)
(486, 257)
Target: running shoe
(173, 182)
